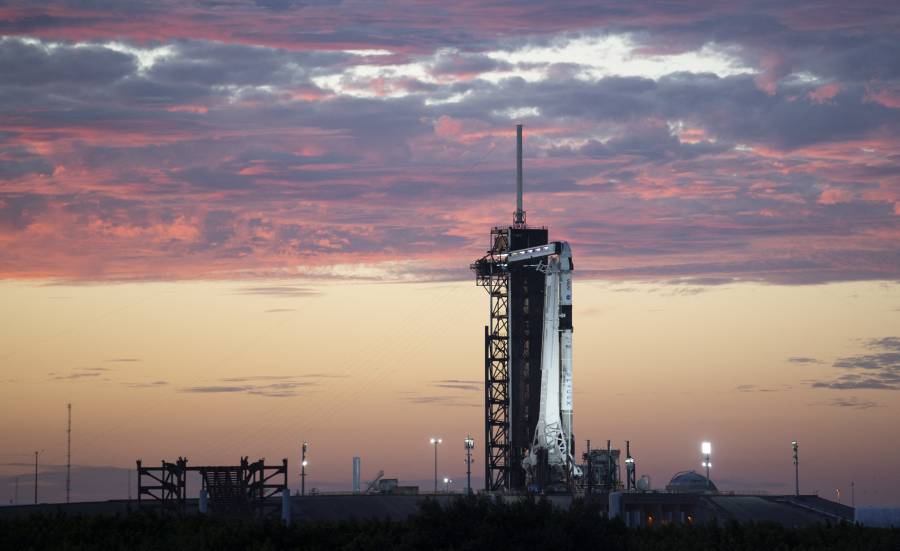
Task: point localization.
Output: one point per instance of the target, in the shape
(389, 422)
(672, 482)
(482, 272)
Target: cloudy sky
(267, 210)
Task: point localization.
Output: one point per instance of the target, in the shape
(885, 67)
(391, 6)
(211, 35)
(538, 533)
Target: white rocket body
(553, 431)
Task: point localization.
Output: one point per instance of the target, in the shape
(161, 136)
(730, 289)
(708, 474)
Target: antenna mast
(519, 219)
(69, 454)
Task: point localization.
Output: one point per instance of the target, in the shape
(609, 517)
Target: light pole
(435, 442)
(35, 474)
(447, 483)
(470, 445)
(706, 450)
(629, 467)
(796, 469)
(303, 469)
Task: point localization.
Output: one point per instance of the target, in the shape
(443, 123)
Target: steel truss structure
(166, 484)
(242, 489)
(495, 280)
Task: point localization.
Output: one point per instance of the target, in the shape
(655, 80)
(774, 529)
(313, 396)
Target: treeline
(462, 525)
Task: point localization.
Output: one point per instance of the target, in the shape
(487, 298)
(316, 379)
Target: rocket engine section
(549, 465)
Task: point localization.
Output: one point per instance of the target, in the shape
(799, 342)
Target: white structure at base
(286, 506)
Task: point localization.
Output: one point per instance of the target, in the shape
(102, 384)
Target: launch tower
(514, 340)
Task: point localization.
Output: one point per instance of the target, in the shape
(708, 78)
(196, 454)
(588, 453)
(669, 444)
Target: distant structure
(357, 468)
(230, 489)
(691, 482)
(796, 469)
(529, 440)
(303, 464)
(69, 454)
(601, 469)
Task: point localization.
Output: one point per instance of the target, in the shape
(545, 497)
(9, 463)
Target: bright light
(305, 463)
(470, 442)
(706, 448)
(446, 480)
(436, 440)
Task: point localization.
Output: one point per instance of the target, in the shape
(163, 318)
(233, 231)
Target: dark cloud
(702, 281)
(462, 64)
(854, 403)
(451, 401)
(78, 373)
(16, 162)
(459, 386)
(29, 65)
(271, 386)
(19, 210)
(256, 378)
(215, 389)
(880, 370)
(803, 360)
(756, 388)
(286, 291)
(152, 384)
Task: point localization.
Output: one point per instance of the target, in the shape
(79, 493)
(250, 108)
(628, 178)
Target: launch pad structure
(231, 489)
(515, 339)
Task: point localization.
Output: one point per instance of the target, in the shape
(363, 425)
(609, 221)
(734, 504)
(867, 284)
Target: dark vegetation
(464, 524)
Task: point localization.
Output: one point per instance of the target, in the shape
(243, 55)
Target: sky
(226, 227)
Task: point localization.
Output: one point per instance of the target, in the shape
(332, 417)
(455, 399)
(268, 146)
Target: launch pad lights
(706, 450)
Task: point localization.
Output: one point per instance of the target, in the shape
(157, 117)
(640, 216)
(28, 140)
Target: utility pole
(35, 476)
(470, 445)
(796, 469)
(303, 469)
(852, 494)
(69, 455)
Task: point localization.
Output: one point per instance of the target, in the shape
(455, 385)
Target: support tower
(513, 345)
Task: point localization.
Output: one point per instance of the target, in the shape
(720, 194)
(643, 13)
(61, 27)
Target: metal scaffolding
(490, 275)
(239, 489)
(166, 484)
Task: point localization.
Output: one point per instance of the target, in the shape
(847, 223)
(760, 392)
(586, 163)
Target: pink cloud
(833, 196)
(825, 93)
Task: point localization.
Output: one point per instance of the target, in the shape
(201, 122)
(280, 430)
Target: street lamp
(303, 463)
(470, 445)
(706, 450)
(447, 483)
(435, 442)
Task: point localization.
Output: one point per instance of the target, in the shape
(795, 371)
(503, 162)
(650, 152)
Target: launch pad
(529, 443)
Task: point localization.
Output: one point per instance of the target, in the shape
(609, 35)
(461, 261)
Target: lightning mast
(69, 454)
(519, 219)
